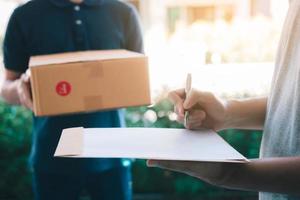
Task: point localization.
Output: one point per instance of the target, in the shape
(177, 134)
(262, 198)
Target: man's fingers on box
(28, 73)
(25, 78)
(25, 96)
(27, 100)
(28, 104)
(26, 90)
(24, 100)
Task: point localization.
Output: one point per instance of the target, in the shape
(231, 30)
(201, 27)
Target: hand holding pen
(198, 109)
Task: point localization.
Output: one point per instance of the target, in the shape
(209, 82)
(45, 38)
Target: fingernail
(181, 112)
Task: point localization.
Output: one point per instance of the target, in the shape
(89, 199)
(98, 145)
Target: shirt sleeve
(134, 36)
(15, 54)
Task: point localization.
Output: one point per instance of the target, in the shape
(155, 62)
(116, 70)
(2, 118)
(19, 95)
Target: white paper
(146, 143)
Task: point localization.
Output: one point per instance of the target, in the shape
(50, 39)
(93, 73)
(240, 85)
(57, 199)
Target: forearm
(9, 91)
(276, 175)
(246, 114)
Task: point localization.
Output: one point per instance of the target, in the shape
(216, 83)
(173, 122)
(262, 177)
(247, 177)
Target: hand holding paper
(211, 172)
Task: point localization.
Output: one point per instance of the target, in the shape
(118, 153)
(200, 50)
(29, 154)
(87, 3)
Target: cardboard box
(88, 81)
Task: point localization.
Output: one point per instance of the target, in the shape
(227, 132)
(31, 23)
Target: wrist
(245, 114)
(230, 117)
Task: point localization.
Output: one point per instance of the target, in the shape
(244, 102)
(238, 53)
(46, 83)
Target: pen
(188, 87)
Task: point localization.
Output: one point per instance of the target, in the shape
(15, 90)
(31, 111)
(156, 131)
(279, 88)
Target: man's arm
(276, 175)
(16, 86)
(16, 89)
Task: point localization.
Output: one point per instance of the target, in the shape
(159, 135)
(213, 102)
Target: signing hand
(205, 109)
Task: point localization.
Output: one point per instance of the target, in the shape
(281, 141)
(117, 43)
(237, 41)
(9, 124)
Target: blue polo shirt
(55, 26)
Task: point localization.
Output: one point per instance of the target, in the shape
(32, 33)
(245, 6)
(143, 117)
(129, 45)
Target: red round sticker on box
(63, 88)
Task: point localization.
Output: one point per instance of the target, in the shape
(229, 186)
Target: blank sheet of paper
(146, 143)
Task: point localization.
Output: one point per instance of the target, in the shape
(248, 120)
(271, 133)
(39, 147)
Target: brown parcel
(88, 81)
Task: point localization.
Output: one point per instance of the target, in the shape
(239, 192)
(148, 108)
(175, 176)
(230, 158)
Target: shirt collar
(65, 3)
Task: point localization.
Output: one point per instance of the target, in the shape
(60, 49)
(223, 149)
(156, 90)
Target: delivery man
(55, 26)
(277, 174)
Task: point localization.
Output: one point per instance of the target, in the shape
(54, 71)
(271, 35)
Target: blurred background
(228, 45)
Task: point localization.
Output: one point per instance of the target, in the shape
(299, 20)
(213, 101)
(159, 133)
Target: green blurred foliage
(15, 140)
